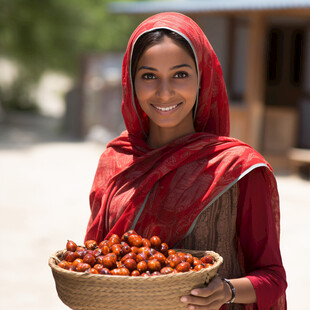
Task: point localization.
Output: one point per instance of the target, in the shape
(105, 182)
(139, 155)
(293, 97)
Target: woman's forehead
(167, 49)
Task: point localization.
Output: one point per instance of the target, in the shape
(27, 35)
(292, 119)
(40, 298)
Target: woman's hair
(152, 38)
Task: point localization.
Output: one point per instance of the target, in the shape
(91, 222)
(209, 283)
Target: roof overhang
(300, 7)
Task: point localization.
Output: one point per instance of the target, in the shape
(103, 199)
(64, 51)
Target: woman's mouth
(166, 109)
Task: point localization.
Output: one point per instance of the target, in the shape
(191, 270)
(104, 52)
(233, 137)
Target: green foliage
(42, 35)
(18, 96)
(53, 34)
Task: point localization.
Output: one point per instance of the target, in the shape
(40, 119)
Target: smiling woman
(176, 173)
(166, 87)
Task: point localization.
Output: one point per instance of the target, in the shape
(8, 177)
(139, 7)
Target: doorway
(284, 74)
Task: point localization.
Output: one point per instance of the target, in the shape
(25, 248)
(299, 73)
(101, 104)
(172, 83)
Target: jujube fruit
(89, 259)
(90, 244)
(130, 264)
(155, 242)
(135, 240)
(183, 267)
(82, 267)
(153, 265)
(71, 246)
(130, 255)
(208, 259)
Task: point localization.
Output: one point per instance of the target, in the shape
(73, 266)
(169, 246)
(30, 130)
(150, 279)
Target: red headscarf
(162, 191)
(212, 113)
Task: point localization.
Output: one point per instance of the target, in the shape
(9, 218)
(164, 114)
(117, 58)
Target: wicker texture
(84, 291)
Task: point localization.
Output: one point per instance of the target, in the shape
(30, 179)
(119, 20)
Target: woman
(176, 173)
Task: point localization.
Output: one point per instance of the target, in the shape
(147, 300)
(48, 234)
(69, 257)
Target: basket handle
(55, 257)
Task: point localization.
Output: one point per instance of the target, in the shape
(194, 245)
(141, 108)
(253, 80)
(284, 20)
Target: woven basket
(84, 291)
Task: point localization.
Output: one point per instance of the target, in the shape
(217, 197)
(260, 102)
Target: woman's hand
(211, 297)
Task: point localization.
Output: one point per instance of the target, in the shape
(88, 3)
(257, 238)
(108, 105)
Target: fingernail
(183, 299)
(194, 292)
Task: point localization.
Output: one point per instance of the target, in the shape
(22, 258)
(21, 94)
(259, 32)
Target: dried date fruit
(135, 273)
(92, 270)
(155, 242)
(120, 272)
(126, 235)
(189, 258)
(82, 267)
(98, 267)
(77, 261)
(199, 267)
(119, 264)
(135, 240)
(104, 271)
(173, 260)
(164, 249)
(64, 264)
(183, 267)
(105, 250)
(114, 239)
(89, 259)
(97, 252)
(70, 256)
(116, 249)
(130, 255)
(166, 270)
(142, 257)
(80, 252)
(208, 259)
(146, 242)
(171, 251)
(108, 261)
(130, 264)
(103, 243)
(142, 266)
(71, 246)
(196, 261)
(135, 249)
(153, 265)
(125, 249)
(90, 244)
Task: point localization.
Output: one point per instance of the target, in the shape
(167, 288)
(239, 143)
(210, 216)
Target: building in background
(264, 50)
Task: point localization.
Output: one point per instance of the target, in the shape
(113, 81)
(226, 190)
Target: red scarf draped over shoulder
(162, 191)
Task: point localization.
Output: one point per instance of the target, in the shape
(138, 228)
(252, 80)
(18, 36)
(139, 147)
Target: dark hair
(154, 37)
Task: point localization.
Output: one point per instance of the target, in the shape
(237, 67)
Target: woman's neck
(160, 136)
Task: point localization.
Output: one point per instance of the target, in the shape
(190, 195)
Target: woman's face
(166, 85)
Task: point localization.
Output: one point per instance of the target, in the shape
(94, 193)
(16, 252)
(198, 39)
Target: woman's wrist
(231, 289)
(244, 291)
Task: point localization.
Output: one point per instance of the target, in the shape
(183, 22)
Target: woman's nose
(164, 90)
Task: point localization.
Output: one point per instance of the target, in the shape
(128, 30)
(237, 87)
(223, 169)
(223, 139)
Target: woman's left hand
(211, 297)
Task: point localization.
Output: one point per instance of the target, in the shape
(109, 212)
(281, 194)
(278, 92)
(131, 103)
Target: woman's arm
(258, 226)
(256, 223)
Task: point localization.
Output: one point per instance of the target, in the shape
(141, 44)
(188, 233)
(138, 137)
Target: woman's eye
(181, 75)
(148, 76)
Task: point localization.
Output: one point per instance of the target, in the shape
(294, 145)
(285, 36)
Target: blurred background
(60, 96)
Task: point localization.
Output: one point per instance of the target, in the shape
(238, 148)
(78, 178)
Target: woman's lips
(166, 109)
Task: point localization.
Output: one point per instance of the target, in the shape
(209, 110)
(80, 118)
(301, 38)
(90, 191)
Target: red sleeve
(256, 224)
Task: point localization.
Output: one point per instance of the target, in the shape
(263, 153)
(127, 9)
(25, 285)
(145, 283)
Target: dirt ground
(45, 180)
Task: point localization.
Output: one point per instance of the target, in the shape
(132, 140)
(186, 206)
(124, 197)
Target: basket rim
(54, 258)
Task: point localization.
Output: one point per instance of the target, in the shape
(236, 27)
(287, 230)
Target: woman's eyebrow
(172, 68)
(180, 66)
(147, 68)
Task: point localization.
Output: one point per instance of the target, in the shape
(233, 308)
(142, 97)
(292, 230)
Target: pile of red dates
(130, 255)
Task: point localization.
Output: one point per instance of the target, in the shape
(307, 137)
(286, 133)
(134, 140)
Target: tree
(53, 34)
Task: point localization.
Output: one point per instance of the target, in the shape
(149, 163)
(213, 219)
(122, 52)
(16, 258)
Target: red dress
(163, 191)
